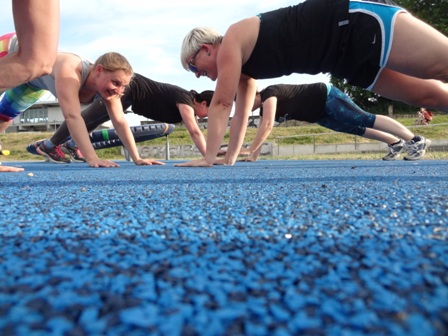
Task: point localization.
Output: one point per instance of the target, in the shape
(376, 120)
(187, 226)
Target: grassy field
(305, 134)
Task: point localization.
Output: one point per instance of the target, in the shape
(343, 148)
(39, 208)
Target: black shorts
(366, 42)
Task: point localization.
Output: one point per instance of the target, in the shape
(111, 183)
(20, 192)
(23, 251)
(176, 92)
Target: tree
(432, 12)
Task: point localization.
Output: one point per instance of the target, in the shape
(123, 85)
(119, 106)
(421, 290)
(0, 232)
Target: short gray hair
(195, 39)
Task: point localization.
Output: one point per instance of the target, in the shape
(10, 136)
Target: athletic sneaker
(395, 151)
(32, 147)
(417, 149)
(54, 155)
(73, 151)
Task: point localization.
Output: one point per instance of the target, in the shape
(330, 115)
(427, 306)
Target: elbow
(68, 116)
(224, 103)
(268, 126)
(194, 133)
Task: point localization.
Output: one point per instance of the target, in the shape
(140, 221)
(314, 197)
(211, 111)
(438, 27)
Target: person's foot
(32, 147)
(73, 151)
(395, 151)
(417, 149)
(54, 155)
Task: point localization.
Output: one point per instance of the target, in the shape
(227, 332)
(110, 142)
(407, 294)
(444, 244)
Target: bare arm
(219, 113)
(116, 114)
(244, 102)
(220, 108)
(265, 127)
(191, 123)
(37, 29)
(8, 169)
(67, 87)
(234, 50)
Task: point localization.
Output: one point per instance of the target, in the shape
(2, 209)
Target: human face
(200, 109)
(203, 68)
(191, 64)
(112, 84)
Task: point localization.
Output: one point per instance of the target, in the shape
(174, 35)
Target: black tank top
(156, 100)
(304, 102)
(298, 39)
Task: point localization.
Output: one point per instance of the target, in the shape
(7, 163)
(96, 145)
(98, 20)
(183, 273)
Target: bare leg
(417, 65)
(4, 169)
(388, 130)
(4, 125)
(413, 91)
(418, 50)
(37, 29)
(388, 125)
(380, 136)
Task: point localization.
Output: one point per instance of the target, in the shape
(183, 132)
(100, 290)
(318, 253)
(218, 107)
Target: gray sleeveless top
(48, 82)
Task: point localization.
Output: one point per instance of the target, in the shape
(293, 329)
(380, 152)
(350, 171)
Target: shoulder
(67, 64)
(68, 58)
(243, 34)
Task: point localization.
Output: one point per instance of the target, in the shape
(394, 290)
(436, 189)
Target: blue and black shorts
(368, 41)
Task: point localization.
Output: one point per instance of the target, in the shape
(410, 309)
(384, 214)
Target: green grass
(16, 142)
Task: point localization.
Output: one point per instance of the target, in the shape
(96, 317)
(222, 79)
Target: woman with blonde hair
(75, 81)
(373, 45)
(162, 102)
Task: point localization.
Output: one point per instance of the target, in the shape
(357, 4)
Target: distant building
(44, 116)
(41, 117)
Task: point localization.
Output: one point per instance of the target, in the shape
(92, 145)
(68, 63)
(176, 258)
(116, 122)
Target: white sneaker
(417, 150)
(395, 151)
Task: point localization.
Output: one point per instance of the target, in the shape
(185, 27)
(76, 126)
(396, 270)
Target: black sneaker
(394, 151)
(73, 151)
(54, 155)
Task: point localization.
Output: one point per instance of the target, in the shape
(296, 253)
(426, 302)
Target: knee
(46, 67)
(439, 72)
(39, 67)
(435, 96)
(35, 64)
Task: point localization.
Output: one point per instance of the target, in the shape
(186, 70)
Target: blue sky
(150, 33)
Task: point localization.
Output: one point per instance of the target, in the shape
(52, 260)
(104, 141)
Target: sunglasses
(191, 64)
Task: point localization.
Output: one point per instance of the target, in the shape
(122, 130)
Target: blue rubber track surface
(265, 248)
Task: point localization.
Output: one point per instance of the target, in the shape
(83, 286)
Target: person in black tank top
(331, 108)
(374, 45)
(153, 100)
